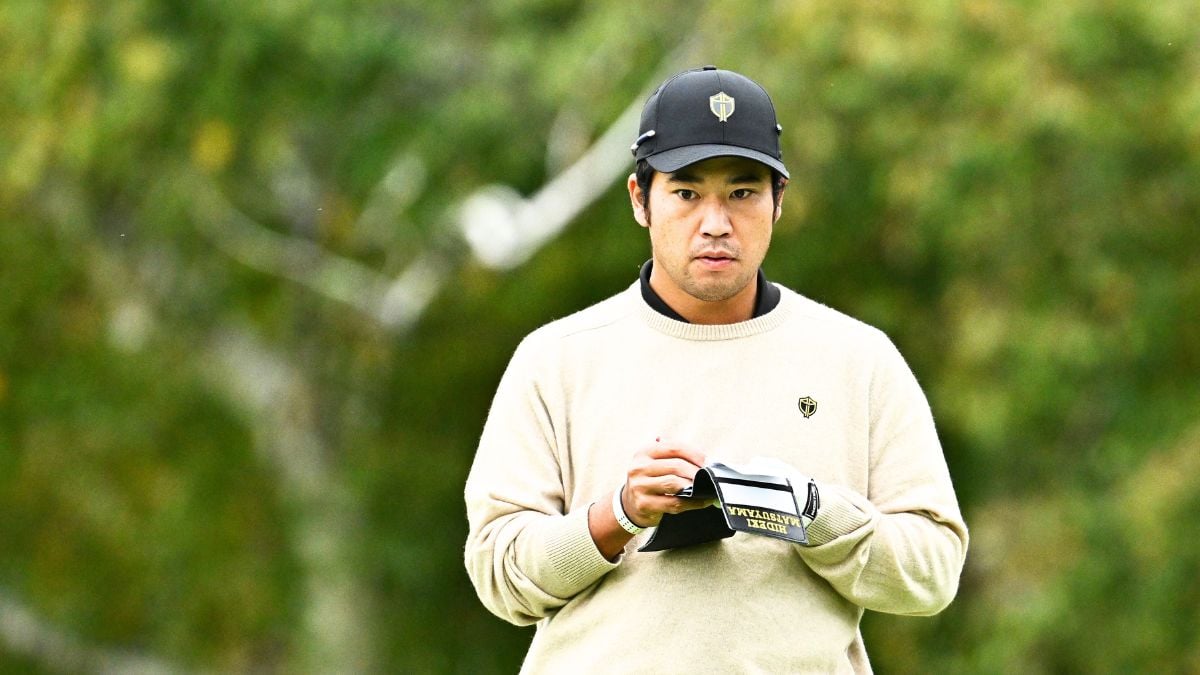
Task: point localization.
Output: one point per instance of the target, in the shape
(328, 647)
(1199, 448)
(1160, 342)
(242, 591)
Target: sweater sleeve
(899, 549)
(526, 554)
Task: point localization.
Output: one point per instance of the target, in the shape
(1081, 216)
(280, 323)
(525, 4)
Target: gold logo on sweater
(808, 406)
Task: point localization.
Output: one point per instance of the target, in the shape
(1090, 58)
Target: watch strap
(619, 511)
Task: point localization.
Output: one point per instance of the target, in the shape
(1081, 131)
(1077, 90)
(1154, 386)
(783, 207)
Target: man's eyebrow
(683, 176)
(749, 178)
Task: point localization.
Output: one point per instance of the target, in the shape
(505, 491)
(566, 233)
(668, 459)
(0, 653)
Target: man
(603, 417)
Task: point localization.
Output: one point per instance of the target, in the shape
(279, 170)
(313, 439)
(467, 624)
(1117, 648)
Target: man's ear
(779, 201)
(635, 199)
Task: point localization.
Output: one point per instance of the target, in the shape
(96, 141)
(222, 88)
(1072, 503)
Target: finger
(665, 447)
(650, 486)
(672, 466)
(650, 510)
(649, 499)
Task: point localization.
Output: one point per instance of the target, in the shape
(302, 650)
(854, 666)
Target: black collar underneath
(765, 300)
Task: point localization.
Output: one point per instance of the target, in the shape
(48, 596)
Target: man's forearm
(899, 563)
(524, 565)
(609, 536)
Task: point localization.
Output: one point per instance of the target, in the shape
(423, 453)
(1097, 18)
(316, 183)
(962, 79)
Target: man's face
(710, 226)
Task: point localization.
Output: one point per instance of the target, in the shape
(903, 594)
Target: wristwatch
(619, 511)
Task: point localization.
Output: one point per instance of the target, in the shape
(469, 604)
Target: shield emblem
(808, 406)
(721, 105)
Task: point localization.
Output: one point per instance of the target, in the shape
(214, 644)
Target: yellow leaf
(213, 146)
(145, 60)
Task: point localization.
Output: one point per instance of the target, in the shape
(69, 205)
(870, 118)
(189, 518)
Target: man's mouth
(715, 259)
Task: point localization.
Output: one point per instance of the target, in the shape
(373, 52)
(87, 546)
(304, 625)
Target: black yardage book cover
(745, 502)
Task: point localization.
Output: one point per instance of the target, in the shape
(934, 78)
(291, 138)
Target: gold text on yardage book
(765, 520)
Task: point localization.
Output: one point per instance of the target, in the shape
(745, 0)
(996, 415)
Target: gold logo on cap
(721, 105)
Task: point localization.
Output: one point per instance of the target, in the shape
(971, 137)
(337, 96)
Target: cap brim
(669, 161)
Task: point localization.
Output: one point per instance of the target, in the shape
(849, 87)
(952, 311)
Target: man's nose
(715, 222)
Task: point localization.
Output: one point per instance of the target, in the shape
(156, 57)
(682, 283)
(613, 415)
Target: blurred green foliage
(219, 466)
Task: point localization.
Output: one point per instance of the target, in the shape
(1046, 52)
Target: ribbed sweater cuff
(838, 517)
(572, 557)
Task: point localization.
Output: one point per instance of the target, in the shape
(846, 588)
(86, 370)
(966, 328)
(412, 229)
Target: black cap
(704, 113)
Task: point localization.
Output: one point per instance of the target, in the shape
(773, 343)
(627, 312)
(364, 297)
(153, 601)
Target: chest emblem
(808, 406)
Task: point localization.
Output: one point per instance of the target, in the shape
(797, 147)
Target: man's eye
(686, 195)
(741, 193)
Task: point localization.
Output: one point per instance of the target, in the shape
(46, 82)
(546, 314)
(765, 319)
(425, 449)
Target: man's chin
(715, 292)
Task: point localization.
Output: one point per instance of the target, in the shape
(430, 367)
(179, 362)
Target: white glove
(804, 488)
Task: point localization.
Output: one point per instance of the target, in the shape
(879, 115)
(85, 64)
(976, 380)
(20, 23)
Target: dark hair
(645, 175)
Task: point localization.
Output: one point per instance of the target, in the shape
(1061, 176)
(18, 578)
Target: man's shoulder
(598, 317)
(841, 333)
(817, 316)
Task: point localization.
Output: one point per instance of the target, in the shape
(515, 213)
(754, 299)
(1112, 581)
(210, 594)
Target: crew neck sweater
(582, 394)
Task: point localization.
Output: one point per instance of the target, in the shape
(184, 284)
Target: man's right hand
(658, 472)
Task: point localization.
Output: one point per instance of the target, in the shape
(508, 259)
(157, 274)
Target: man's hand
(658, 473)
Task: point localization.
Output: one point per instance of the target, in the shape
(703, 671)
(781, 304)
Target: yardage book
(746, 502)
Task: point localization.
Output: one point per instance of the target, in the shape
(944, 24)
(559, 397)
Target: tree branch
(279, 406)
(393, 303)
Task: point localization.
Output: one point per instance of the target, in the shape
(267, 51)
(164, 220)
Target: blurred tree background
(262, 264)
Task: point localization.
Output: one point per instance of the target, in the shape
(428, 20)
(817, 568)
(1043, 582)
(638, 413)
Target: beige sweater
(582, 394)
